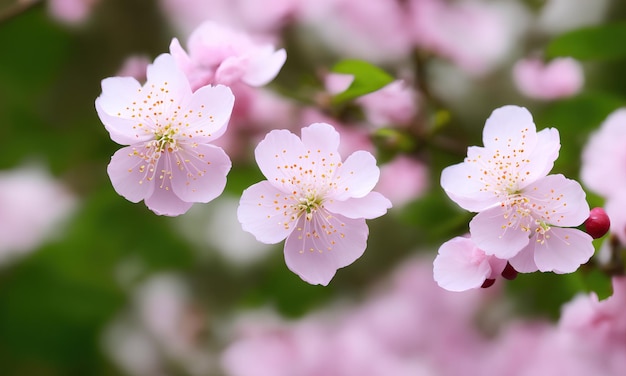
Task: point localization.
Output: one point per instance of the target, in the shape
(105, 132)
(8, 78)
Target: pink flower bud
(598, 223)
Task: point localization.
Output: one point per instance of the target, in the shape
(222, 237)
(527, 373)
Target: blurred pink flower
(219, 55)
(523, 213)
(265, 17)
(393, 105)
(402, 180)
(71, 12)
(603, 168)
(135, 66)
(460, 265)
(170, 163)
(558, 78)
(391, 333)
(374, 30)
(472, 34)
(313, 199)
(32, 207)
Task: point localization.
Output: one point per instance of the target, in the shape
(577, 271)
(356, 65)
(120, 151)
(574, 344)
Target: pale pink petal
(541, 159)
(163, 200)
(117, 94)
(129, 173)
(465, 182)
(509, 128)
(231, 70)
(373, 205)
(265, 66)
(524, 261)
(205, 117)
(166, 80)
(490, 232)
(559, 201)
(321, 136)
(199, 172)
(267, 212)
(320, 246)
(460, 265)
(276, 153)
(357, 176)
(564, 251)
(180, 56)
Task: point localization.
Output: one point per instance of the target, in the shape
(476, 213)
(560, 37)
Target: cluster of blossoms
(524, 216)
(312, 198)
(394, 332)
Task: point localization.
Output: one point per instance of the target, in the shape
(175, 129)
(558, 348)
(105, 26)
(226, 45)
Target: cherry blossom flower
(522, 212)
(559, 78)
(169, 163)
(460, 265)
(219, 55)
(313, 199)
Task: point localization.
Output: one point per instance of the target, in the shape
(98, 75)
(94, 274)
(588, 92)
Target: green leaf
(367, 78)
(591, 43)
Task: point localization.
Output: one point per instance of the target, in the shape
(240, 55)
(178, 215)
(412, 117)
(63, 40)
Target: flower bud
(488, 283)
(509, 272)
(598, 223)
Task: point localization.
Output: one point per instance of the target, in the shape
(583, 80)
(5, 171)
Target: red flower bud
(598, 223)
(509, 272)
(488, 283)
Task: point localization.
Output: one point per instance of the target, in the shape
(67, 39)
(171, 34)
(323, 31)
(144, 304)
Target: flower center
(521, 213)
(309, 204)
(165, 138)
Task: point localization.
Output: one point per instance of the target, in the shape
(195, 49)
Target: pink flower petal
(541, 159)
(265, 67)
(205, 117)
(279, 150)
(490, 232)
(320, 246)
(266, 212)
(165, 202)
(320, 136)
(112, 104)
(165, 73)
(199, 172)
(524, 261)
(129, 173)
(357, 176)
(560, 201)
(460, 265)
(509, 128)
(564, 251)
(373, 205)
(464, 183)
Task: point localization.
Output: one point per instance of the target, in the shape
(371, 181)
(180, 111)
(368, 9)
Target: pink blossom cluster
(602, 168)
(473, 35)
(394, 332)
(170, 123)
(524, 216)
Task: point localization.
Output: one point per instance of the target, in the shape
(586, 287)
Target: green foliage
(597, 42)
(367, 78)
